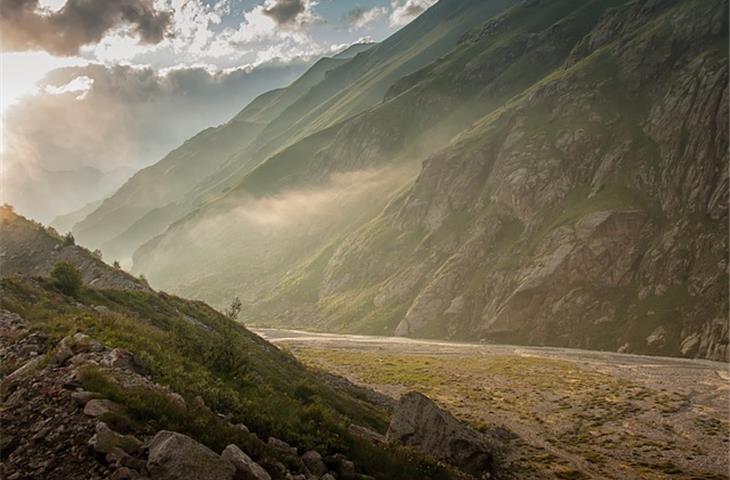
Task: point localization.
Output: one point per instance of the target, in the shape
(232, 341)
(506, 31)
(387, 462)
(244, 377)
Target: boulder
(11, 381)
(105, 440)
(174, 456)
(246, 468)
(313, 461)
(125, 360)
(99, 406)
(80, 343)
(346, 471)
(657, 338)
(282, 446)
(419, 423)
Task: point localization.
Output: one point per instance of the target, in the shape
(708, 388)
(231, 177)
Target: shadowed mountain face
(548, 173)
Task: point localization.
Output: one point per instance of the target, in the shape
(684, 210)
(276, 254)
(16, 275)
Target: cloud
(285, 12)
(360, 17)
(25, 25)
(404, 12)
(108, 117)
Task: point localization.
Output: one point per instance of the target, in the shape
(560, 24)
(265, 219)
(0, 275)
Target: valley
(578, 414)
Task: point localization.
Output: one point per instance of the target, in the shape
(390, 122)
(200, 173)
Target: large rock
(419, 423)
(313, 461)
(100, 406)
(125, 360)
(105, 440)
(246, 468)
(174, 456)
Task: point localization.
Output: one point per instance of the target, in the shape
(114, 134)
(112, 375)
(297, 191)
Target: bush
(69, 240)
(67, 279)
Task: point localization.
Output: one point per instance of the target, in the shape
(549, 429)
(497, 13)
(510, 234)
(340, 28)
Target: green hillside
(541, 183)
(222, 372)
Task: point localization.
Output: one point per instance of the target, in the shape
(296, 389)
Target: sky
(114, 85)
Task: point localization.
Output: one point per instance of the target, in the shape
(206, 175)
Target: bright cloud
(405, 11)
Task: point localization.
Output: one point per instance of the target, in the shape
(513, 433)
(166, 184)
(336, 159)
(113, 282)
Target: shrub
(67, 279)
(68, 240)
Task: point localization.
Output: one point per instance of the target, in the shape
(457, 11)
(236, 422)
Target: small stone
(124, 473)
(83, 397)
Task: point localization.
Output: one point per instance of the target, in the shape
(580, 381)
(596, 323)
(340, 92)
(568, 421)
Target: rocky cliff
(588, 209)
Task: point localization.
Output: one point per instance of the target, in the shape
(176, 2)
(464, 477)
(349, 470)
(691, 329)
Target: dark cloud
(79, 22)
(285, 12)
(116, 116)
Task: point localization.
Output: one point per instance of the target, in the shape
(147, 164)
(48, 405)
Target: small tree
(67, 279)
(116, 265)
(227, 356)
(234, 310)
(69, 239)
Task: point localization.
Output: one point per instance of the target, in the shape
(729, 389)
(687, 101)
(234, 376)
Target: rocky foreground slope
(128, 383)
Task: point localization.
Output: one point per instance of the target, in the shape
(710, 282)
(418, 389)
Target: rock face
(174, 456)
(419, 423)
(589, 211)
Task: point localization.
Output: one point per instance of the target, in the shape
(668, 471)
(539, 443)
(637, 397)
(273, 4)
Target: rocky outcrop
(419, 423)
(29, 249)
(46, 410)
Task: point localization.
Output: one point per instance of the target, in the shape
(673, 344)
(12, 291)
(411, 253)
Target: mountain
(45, 194)
(556, 177)
(115, 371)
(312, 104)
(66, 222)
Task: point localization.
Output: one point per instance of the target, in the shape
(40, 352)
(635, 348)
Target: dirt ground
(577, 414)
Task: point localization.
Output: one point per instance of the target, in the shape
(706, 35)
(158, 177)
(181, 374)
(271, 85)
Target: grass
(178, 339)
(618, 428)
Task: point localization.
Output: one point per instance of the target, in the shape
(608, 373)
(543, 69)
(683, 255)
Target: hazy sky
(109, 84)
(39, 35)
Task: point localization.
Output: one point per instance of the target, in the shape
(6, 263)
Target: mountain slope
(582, 202)
(589, 211)
(355, 85)
(166, 364)
(167, 181)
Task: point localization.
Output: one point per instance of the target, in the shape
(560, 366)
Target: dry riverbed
(578, 414)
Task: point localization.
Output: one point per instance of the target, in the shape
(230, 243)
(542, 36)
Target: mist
(248, 237)
(113, 119)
